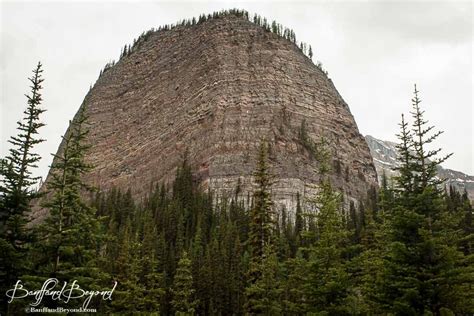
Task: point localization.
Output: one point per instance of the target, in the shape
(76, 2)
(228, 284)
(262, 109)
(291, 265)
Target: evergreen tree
(137, 267)
(152, 277)
(367, 268)
(17, 179)
(299, 221)
(130, 292)
(425, 272)
(424, 164)
(260, 240)
(183, 292)
(16, 192)
(329, 285)
(386, 195)
(404, 179)
(228, 282)
(295, 300)
(199, 272)
(261, 216)
(69, 238)
(467, 224)
(71, 228)
(328, 288)
(263, 295)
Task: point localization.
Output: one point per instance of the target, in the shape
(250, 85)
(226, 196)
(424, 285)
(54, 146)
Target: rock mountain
(215, 89)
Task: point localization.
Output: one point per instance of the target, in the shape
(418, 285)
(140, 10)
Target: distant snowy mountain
(384, 154)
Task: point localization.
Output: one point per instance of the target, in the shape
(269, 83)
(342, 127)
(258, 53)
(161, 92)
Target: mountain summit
(212, 90)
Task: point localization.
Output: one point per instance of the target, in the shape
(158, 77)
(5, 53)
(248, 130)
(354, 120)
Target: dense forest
(406, 250)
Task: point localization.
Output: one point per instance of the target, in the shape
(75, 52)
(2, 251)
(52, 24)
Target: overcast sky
(374, 51)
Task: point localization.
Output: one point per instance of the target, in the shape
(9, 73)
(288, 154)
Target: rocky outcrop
(216, 90)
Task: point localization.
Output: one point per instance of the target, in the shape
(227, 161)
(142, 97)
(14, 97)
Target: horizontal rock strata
(215, 91)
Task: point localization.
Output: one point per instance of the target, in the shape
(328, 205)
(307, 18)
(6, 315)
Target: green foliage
(68, 240)
(299, 220)
(70, 235)
(405, 177)
(305, 140)
(329, 284)
(424, 269)
(16, 189)
(294, 296)
(263, 293)
(404, 250)
(183, 292)
(16, 171)
(17, 166)
(261, 216)
(317, 150)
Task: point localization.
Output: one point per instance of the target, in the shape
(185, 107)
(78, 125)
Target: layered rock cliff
(215, 90)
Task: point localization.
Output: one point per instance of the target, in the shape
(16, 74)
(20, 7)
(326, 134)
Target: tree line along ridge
(273, 27)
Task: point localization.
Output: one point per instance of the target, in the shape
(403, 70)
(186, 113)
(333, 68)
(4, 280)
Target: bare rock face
(216, 90)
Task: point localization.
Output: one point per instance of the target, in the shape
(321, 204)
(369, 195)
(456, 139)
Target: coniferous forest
(407, 249)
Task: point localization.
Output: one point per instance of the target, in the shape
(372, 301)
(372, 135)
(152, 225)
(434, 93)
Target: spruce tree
(183, 292)
(71, 223)
(130, 293)
(69, 238)
(218, 275)
(261, 214)
(425, 271)
(467, 224)
(329, 286)
(17, 180)
(295, 300)
(152, 277)
(404, 179)
(299, 221)
(16, 188)
(263, 295)
(261, 239)
(425, 162)
(367, 267)
(199, 267)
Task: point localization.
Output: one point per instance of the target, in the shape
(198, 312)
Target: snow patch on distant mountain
(384, 154)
